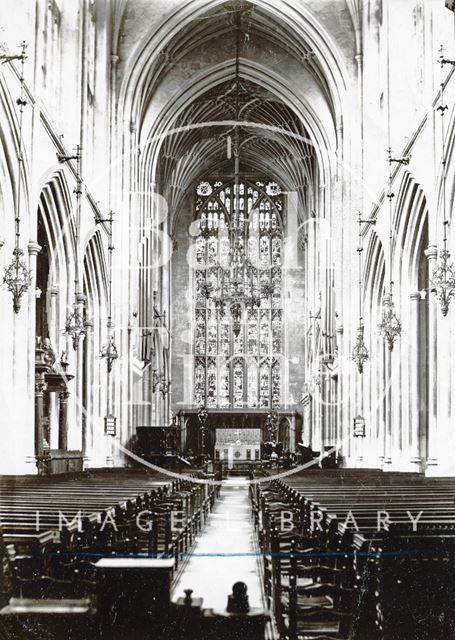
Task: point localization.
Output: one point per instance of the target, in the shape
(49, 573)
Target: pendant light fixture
(442, 282)
(237, 287)
(75, 326)
(109, 352)
(390, 325)
(17, 276)
(360, 352)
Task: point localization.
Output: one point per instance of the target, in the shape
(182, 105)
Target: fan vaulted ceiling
(186, 111)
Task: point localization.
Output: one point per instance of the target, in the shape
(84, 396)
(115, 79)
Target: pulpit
(52, 377)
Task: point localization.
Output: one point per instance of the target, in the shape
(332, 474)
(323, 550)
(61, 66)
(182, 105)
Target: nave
(226, 252)
(226, 551)
(325, 554)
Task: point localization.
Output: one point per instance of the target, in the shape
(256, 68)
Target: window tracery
(238, 342)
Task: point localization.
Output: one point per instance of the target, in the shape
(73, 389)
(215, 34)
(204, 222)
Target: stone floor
(225, 552)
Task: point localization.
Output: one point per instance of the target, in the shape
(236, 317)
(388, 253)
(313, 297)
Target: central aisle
(225, 552)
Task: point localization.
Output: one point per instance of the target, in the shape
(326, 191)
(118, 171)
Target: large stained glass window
(237, 276)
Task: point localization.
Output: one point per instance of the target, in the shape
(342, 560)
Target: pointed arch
(411, 231)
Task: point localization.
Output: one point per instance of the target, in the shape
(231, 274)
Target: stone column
(54, 335)
(324, 425)
(129, 375)
(388, 399)
(292, 433)
(413, 355)
(183, 434)
(33, 250)
(432, 455)
(63, 420)
(87, 407)
(358, 441)
(53, 317)
(339, 418)
(40, 387)
(77, 434)
(307, 426)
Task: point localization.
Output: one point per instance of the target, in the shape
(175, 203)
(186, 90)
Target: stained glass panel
(223, 390)
(199, 342)
(264, 333)
(238, 342)
(276, 332)
(238, 383)
(199, 379)
(230, 332)
(200, 250)
(252, 384)
(276, 377)
(211, 384)
(276, 250)
(264, 249)
(224, 337)
(212, 333)
(264, 383)
(252, 332)
(212, 250)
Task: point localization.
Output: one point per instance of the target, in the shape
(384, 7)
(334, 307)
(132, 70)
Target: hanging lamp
(17, 277)
(109, 352)
(390, 324)
(442, 281)
(237, 288)
(75, 325)
(360, 352)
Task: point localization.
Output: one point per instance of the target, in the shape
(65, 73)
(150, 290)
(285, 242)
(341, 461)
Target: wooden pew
(99, 497)
(51, 567)
(382, 564)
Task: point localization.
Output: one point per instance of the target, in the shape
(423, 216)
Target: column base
(432, 467)
(416, 463)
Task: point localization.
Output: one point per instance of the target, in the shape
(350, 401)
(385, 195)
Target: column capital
(80, 298)
(40, 387)
(53, 291)
(33, 248)
(415, 295)
(431, 252)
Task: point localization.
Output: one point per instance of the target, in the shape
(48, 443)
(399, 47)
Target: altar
(235, 433)
(237, 445)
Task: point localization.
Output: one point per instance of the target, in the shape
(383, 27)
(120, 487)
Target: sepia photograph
(227, 320)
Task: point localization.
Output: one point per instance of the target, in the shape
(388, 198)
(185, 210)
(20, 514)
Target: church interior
(227, 299)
